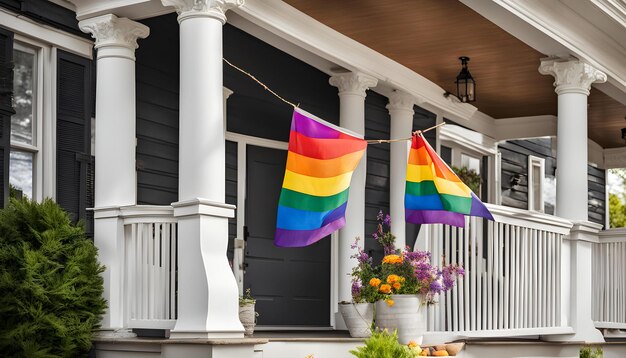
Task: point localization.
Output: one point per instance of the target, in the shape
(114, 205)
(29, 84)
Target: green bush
(587, 352)
(382, 344)
(50, 284)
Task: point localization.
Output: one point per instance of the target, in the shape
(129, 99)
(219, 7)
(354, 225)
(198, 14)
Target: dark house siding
(46, 12)
(597, 194)
(256, 112)
(157, 112)
(377, 126)
(514, 166)
(231, 191)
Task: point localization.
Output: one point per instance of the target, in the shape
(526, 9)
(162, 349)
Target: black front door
(291, 285)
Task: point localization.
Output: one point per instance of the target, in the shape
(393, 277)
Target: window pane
(23, 87)
(470, 163)
(537, 181)
(21, 173)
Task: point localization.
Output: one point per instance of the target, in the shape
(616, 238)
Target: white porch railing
(512, 285)
(609, 280)
(150, 267)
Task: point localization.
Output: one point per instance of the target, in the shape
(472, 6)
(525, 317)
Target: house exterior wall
(514, 162)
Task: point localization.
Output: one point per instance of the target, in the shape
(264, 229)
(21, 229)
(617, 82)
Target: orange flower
(412, 344)
(392, 259)
(396, 285)
(385, 288)
(375, 282)
(390, 303)
(393, 278)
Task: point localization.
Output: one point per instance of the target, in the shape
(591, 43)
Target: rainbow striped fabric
(434, 194)
(314, 195)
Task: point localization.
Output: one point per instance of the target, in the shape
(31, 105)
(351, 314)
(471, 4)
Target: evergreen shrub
(50, 284)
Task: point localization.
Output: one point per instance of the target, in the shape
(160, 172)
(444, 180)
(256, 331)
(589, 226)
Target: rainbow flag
(314, 195)
(434, 194)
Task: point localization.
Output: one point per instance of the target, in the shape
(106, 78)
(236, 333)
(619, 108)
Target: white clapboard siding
(150, 267)
(609, 280)
(513, 278)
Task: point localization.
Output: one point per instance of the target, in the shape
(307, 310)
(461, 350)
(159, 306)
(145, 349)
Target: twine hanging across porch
(369, 141)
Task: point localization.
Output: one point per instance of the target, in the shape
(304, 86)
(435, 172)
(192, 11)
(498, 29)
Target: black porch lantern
(465, 84)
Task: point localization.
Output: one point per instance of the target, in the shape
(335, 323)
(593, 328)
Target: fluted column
(115, 174)
(401, 113)
(207, 290)
(352, 87)
(573, 80)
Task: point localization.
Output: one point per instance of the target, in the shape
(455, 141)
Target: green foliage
(617, 211)
(470, 178)
(50, 284)
(382, 344)
(246, 299)
(587, 352)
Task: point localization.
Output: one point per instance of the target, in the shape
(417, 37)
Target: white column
(115, 175)
(400, 109)
(573, 80)
(352, 87)
(207, 290)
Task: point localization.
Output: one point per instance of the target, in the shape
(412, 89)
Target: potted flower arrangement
(402, 283)
(247, 315)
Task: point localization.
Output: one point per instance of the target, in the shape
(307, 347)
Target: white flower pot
(406, 316)
(358, 318)
(247, 316)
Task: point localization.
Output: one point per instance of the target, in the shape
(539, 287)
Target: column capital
(571, 75)
(202, 8)
(353, 83)
(116, 34)
(401, 101)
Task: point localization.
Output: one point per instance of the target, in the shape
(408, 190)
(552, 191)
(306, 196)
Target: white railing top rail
(147, 214)
(612, 235)
(530, 219)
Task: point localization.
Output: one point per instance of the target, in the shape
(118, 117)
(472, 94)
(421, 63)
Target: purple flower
(379, 217)
(387, 220)
(356, 287)
(436, 287)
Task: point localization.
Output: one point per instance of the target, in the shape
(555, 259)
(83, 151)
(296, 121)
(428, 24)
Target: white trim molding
(47, 34)
(525, 127)
(614, 158)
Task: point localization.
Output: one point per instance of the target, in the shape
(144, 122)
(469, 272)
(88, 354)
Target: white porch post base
(578, 293)
(207, 290)
(109, 239)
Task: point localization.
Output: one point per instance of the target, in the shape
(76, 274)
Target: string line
(369, 141)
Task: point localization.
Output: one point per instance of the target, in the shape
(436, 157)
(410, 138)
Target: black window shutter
(6, 110)
(74, 162)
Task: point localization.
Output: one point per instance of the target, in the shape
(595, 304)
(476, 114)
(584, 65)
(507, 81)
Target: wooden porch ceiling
(428, 36)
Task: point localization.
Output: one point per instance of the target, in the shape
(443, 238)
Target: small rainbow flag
(314, 195)
(434, 194)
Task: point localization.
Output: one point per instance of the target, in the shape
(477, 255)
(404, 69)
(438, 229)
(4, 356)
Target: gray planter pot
(358, 318)
(247, 316)
(407, 315)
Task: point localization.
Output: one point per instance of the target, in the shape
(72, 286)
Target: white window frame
(27, 45)
(535, 162)
(474, 144)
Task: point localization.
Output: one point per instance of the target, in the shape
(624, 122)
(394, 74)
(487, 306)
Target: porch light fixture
(465, 84)
(624, 134)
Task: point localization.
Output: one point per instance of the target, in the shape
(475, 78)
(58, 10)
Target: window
(536, 169)
(24, 123)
